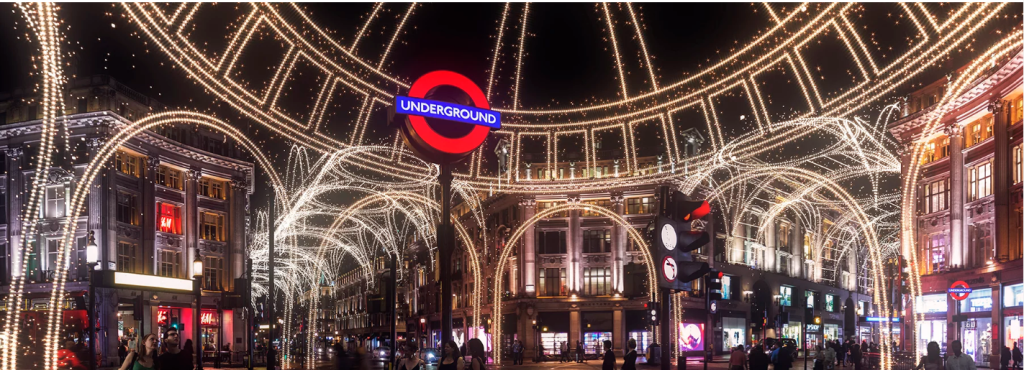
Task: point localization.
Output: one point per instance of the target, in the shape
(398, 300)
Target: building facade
(968, 212)
(169, 196)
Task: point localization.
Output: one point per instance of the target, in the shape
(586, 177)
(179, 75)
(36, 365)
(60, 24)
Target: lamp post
(92, 258)
(197, 287)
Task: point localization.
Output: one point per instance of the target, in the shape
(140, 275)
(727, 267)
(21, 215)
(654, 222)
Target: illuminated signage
(448, 111)
(691, 337)
(208, 318)
(163, 316)
(959, 290)
(423, 138)
(813, 327)
(880, 319)
(151, 281)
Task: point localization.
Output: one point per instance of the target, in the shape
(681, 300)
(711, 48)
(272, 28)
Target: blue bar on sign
(881, 319)
(959, 290)
(447, 111)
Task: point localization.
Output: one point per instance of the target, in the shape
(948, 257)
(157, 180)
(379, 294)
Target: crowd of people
(146, 355)
(354, 356)
(835, 354)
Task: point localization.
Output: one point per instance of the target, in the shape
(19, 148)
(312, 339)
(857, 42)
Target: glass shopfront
(209, 323)
(980, 300)
(643, 339)
(1014, 331)
(734, 332)
(863, 334)
(594, 341)
(792, 331)
(977, 339)
(1013, 295)
(932, 303)
(552, 342)
(930, 331)
(813, 338)
(832, 332)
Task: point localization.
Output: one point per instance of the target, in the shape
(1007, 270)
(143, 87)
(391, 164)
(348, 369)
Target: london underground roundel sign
(424, 138)
(959, 290)
(669, 269)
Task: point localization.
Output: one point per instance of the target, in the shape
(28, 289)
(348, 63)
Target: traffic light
(714, 283)
(652, 312)
(674, 239)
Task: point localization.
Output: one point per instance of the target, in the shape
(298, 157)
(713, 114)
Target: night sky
(568, 59)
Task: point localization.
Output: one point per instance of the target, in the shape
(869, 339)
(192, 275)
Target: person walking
(173, 358)
(581, 351)
(932, 360)
(609, 357)
(957, 359)
(629, 360)
(143, 357)
(841, 353)
(565, 352)
(1004, 358)
(515, 352)
(829, 358)
(738, 359)
(1018, 357)
(758, 359)
(341, 359)
(452, 359)
(479, 360)
(855, 356)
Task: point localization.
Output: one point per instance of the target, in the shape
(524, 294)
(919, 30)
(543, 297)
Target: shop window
(550, 242)
(552, 342)
(1013, 295)
(168, 177)
(786, 295)
(811, 298)
(169, 263)
(726, 287)
(980, 184)
(213, 226)
(213, 273)
(936, 196)
(597, 241)
(126, 163)
(931, 303)
(603, 203)
(55, 203)
(597, 281)
(1018, 163)
(169, 220)
(126, 253)
(980, 300)
(127, 208)
(636, 206)
(593, 342)
(931, 331)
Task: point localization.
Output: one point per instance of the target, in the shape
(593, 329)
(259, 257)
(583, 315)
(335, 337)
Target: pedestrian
(737, 359)
(122, 350)
(341, 359)
(932, 360)
(773, 357)
(1004, 358)
(855, 356)
(410, 361)
(785, 357)
(758, 359)
(1018, 357)
(565, 352)
(581, 351)
(609, 357)
(629, 360)
(479, 360)
(173, 358)
(142, 357)
(957, 359)
(819, 358)
(188, 349)
(515, 352)
(841, 349)
(452, 359)
(829, 358)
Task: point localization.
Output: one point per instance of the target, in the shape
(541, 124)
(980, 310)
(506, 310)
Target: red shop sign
(163, 316)
(208, 318)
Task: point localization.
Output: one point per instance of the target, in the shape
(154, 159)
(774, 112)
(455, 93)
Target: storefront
(832, 332)
(552, 342)
(792, 331)
(691, 338)
(594, 341)
(813, 338)
(643, 340)
(209, 325)
(976, 335)
(1013, 317)
(931, 331)
(734, 333)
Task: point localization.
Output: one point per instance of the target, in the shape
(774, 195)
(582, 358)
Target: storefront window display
(830, 303)
(1014, 331)
(792, 331)
(980, 300)
(594, 341)
(864, 333)
(552, 342)
(931, 303)
(1013, 295)
(832, 332)
(734, 332)
(726, 286)
(930, 331)
(977, 339)
(786, 295)
(691, 337)
(813, 338)
(209, 323)
(643, 340)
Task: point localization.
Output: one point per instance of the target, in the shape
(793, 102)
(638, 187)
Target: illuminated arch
(506, 252)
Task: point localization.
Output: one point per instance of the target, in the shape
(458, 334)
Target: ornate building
(169, 196)
(969, 211)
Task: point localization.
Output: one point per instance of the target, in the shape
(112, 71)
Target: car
(382, 353)
(430, 356)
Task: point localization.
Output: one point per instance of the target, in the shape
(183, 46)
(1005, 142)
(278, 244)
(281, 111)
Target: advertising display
(552, 342)
(691, 337)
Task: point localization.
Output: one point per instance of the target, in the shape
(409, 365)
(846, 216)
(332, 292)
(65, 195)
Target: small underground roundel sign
(959, 290)
(424, 137)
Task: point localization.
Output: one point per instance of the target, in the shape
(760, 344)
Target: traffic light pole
(394, 309)
(271, 353)
(664, 325)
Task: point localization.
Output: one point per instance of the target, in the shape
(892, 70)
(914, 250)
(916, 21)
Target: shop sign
(880, 319)
(208, 318)
(163, 316)
(813, 328)
(971, 324)
(959, 290)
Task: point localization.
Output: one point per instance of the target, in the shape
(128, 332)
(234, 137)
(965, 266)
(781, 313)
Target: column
(957, 241)
(619, 331)
(620, 237)
(770, 259)
(149, 216)
(798, 248)
(15, 182)
(997, 322)
(527, 208)
(191, 213)
(574, 329)
(1001, 181)
(574, 247)
(238, 199)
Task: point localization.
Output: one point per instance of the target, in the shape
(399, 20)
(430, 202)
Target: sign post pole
(445, 246)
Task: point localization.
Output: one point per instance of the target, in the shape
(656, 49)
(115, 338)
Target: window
(597, 241)
(978, 131)
(127, 208)
(127, 163)
(726, 287)
(1018, 163)
(52, 255)
(935, 254)
(635, 206)
(213, 226)
(213, 271)
(936, 196)
(550, 242)
(83, 105)
(169, 264)
(168, 177)
(541, 206)
(551, 282)
(830, 303)
(982, 248)
(169, 218)
(782, 237)
(212, 188)
(1013, 295)
(981, 180)
(597, 281)
(603, 203)
(1016, 110)
(810, 297)
(55, 202)
(786, 295)
(808, 251)
(126, 257)
(936, 150)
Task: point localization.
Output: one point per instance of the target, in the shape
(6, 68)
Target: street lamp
(197, 287)
(92, 258)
